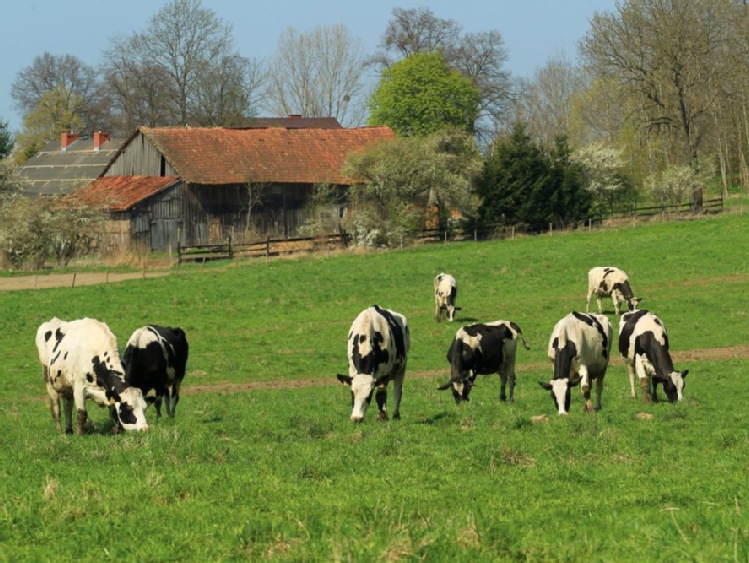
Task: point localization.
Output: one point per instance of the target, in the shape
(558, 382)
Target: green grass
(283, 473)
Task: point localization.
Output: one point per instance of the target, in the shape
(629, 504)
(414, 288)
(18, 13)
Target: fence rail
(280, 246)
(268, 247)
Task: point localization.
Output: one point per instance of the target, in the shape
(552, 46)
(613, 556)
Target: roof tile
(120, 193)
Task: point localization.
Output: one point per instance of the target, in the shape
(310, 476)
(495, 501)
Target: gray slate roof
(56, 172)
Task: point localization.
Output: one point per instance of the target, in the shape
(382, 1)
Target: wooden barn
(201, 185)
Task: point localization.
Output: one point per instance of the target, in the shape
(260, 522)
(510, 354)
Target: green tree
(408, 181)
(6, 140)
(420, 95)
(523, 184)
(52, 115)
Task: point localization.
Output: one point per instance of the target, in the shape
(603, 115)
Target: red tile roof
(120, 193)
(218, 155)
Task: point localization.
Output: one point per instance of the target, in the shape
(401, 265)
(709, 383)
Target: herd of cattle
(579, 347)
(81, 359)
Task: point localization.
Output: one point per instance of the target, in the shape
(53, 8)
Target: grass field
(262, 460)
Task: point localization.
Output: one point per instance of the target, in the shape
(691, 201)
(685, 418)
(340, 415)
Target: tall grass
(246, 472)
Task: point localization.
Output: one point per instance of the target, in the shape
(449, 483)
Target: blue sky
(533, 30)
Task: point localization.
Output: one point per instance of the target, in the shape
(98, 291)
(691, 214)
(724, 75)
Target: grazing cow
(155, 361)
(603, 282)
(378, 344)
(643, 343)
(580, 347)
(482, 349)
(81, 359)
(445, 293)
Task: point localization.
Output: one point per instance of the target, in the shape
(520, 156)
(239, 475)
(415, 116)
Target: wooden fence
(281, 246)
(268, 247)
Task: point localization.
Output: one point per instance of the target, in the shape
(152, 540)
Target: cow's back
(591, 334)
(378, 342)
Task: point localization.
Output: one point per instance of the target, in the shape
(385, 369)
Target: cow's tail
(519, 332)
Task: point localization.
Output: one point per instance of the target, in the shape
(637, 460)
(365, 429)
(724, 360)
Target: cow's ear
(445, 386)
(546, 385)
(684, 373)
(345, 379)
(575, 381)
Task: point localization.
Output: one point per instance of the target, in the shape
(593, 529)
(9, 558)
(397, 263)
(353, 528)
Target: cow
(483, 349)
(580, 347)
(643, 343)
(445, 293)
(155, 361)
(378, 344)
(80, 360)
(607, 281)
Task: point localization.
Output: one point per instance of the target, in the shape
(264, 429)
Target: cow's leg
(599, 391)
(654, 387)
(54, 400)
(381, 397)
(79, 397)
(585, 388)
(600, 304)
(616, 301)
(587, 300)
(68, 406)
(644, 379)
(631, 373)
(437, 310)
(397, 395)
(174, 399)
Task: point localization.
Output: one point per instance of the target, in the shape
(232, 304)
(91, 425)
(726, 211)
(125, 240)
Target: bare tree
(186, 66)
(74, 81)
(667, 54)
(317, 74)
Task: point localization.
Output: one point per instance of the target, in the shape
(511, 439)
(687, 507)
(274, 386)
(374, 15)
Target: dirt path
(72, 280)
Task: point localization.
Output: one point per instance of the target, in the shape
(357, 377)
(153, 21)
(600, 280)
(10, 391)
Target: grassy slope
(285, 474)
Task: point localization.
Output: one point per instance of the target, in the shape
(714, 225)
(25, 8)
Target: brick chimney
(67, 139)
(100, 137)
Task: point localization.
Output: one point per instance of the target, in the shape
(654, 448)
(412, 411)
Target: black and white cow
(155, 361)
(643, 343)
(80, 360)
(482, 349)
(445, 294)
(580, 347)
(606, 281)
(378, 344)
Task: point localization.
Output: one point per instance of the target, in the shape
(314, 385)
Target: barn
(200, 185)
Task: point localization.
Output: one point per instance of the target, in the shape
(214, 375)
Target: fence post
(590, 224)
(475, 235)
(73, 284)
(550, 228)
(231, 250)
(512, 233)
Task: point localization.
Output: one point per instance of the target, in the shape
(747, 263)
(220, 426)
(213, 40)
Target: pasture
(262, 461)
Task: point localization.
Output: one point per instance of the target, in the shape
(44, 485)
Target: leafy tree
(421, 95)
(406, 180)
(317, 74)
(523, 184)
(677, 184)
(601, 168)
(75, 85)
(6, 140)
(477, 56)
(52, 116)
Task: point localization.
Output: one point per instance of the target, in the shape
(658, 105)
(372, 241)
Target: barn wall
(140, 158)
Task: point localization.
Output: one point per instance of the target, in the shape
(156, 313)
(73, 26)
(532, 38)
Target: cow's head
(460, 388)
(673, 385)
(633, 302)
(128, 409)
(560, 391)
(362, 389)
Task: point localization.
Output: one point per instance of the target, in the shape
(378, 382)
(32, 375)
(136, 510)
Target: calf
(378, 344)
(81, 359)
(643, 343)
(603, 282)
(445, 293)
(579, 346)
(482, 349)
(155, 361)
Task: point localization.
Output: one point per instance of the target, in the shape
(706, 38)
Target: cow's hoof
(397, 416)
(382, 416)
